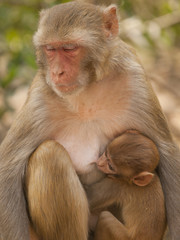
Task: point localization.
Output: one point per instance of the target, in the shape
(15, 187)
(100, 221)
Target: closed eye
(70, 47)
(110, 166)
(49, 48)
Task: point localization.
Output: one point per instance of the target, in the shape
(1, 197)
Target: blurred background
(152, 27)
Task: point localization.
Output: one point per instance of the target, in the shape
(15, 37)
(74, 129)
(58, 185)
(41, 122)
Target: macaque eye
(50, 48)
(110, 166)
(70, 47)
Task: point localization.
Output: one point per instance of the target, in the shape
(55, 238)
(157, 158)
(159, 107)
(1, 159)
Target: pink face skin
(105, 164)
(64, 64)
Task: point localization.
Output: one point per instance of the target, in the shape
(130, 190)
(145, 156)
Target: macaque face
(72, 43)
(64, 73)
(105, 164)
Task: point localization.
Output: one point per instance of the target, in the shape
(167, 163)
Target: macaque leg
(33, 235)
(109, 227)
(57, 203)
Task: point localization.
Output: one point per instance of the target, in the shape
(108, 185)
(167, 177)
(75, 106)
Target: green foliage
(18, 23)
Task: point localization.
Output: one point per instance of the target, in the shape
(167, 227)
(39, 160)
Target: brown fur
(115, 97)
(48, 168)
(108, 227)
(142, 206)
(134, 152)
(143, 210)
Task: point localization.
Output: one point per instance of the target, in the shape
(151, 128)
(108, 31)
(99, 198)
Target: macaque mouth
(101, 167)
(66, 88)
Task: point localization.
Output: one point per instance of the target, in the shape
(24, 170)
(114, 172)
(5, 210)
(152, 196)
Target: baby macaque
(132, 157)
(130, 162)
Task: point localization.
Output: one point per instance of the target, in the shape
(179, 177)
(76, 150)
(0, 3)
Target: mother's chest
(86, 140)
(90, 122)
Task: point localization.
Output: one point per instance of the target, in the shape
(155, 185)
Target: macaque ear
(143, 179)
(111, 23)
(42, 12)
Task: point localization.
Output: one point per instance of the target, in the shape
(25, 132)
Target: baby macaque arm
(102, 194)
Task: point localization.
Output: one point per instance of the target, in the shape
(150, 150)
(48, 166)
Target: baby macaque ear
(143, 179)
(111, 23)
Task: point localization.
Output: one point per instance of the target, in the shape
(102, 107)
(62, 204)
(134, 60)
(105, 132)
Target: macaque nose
(58, 73)
(61, 73)
(101, 161)
(56, 76)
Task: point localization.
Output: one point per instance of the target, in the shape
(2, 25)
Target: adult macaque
(131, 183)
(90, 88)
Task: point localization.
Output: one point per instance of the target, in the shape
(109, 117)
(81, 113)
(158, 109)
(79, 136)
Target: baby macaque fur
(132, 183)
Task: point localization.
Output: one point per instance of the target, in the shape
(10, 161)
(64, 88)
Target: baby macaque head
(132, 157)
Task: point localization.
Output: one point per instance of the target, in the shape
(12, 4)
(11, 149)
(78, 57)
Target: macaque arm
(103, 194)
(26, 133)
(109, 227)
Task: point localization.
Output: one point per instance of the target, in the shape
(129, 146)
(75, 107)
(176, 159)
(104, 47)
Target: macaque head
(132, 157)
(72, 44)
